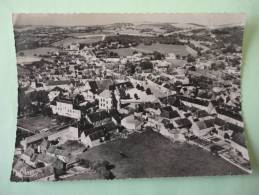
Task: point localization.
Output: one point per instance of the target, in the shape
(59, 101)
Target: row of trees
(141, 88)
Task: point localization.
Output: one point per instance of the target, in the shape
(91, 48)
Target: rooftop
(98, 132)
(231, 114)
(195, 101)
(43, 134)
(106, 94)
(62, 82)
(97, 116)
(184, 122)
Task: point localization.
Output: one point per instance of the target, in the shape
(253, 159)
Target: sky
(100, 19)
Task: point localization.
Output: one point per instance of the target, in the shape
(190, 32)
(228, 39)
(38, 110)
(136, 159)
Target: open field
(27, 59)
(123, 51)
(38, 51)
(162, 48)
(86, 39)
(36, 123)
(151, 155)
(86, 34)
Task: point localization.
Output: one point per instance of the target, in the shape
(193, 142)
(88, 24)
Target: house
(201, 114)
(182, 123)
(172, 100)
(65, 107)
(29, 156)
(63, 84)
(55, 92)
(43, 146)
(230, 116)
(131, 123)
(166, 128)
(95, 136)
(74, 46)
(161, 66)
(198, 103)
(224, 127)
(88, 95)
(62, 135)
(172, 134)
(202, 128)
(90, 90)
(224, 132)
(169, 113)
(105, 100)
(104, 84)
(20, 168)
(40, 173)
(27, 173)
(155, 122)
(98, 118)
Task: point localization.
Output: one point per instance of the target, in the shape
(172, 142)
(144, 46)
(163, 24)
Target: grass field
(67, 41)
(162, 48)
(151, 155)
(123, 51)
(38, 51)
(36, 123)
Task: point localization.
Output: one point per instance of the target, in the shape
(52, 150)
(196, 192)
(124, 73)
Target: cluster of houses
(105, 113)
(101, 101)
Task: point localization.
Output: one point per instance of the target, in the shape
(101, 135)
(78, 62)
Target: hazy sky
(93, 19)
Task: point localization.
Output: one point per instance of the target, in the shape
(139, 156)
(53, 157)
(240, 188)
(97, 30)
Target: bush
(103, 168)
(148, 91)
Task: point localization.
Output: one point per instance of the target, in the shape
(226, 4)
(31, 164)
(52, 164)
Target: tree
(114, 100)
(138, 86)
(190, 58)
(214, 149)
(136, 96)
(226, 136)
(21, 54)
(78, 99)
(158, 55)
(130, 68)
(141, 88)
(146, 65)
(127, 96)
(148, 91)
(214, 131)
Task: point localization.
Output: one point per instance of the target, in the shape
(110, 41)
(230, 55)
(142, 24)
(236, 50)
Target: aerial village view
(136, 99)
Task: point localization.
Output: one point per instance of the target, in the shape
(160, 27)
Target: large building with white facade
(66, 108)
